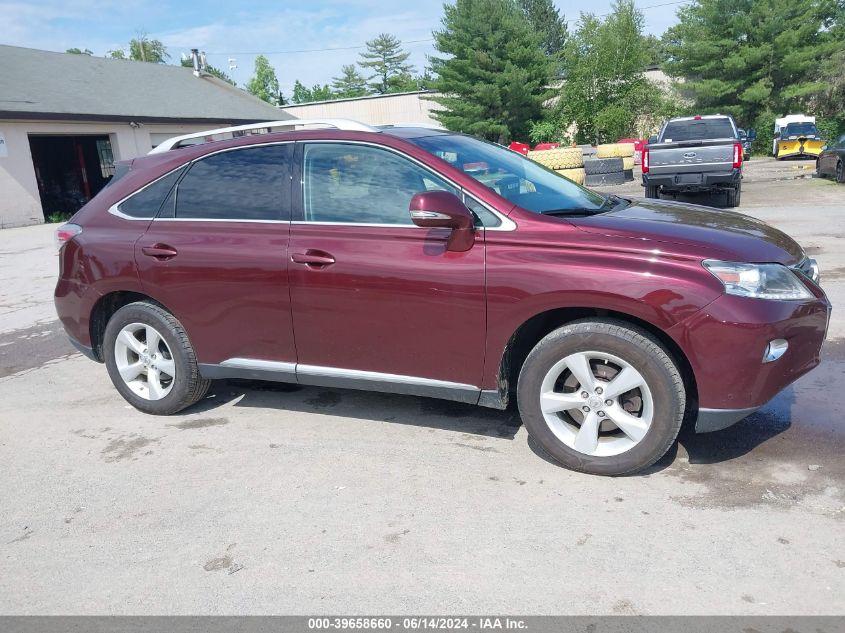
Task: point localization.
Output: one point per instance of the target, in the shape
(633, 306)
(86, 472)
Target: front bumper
(725, 343)
(693, 181)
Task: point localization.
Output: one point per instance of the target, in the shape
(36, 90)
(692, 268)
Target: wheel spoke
(552, 402)
(627, 379)
(131, 371)
(632, 426)
(128, 339)
(579, 365)
(166, 366)
(587, 439)
(154, 383)
(153, 339)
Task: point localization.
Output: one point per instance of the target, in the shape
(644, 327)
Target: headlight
(761, 281)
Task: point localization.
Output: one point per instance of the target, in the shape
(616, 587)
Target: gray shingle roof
(45, 84)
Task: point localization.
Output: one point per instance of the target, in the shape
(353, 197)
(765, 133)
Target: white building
(389, 109)
(65, 119)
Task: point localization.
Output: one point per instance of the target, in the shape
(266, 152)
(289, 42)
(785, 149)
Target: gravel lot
(273, 499)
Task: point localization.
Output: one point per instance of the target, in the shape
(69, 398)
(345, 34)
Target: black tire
(840, 172)
(188, 385)
(629, 343)
(819, 173)
(652, 191)
(734, 195)
(603, 165)
(629, 175)
(597, 180)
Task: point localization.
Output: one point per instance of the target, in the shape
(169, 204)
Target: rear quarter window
(146, 202)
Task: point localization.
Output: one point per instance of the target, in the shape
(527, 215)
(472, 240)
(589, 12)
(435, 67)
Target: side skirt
(253, 369)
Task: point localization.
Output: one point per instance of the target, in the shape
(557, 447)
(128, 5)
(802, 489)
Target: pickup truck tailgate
(691, 157)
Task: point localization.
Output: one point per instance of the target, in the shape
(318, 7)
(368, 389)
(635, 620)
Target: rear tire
(584, 357)
(652, 192)
(151, 361)
(734, 195)
(840, 172)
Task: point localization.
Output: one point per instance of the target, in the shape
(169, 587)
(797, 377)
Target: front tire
(601, 397)
(150, 360)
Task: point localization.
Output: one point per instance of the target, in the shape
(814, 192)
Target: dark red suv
(419, 261)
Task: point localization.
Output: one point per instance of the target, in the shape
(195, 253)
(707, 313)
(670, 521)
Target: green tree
(116, 54)
(211, 70)
(350, 84)
(605, 92)
(79, 51)
(143, 49)
(493, 74)
(318, 92)
(388, 62)
(547, 23)
(264, 83)
(757, 59)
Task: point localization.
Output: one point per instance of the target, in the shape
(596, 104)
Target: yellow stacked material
(627, 163)
(560, 158)
(612, 150)
(575, 175)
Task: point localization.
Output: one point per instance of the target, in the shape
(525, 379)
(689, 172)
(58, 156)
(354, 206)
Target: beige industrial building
(65, 119)
(389, 109)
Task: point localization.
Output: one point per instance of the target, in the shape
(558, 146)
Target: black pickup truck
(695, 154)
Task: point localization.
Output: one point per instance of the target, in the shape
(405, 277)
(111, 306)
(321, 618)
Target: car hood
(707, 231)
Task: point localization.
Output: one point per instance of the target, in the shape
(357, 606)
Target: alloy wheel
(144, 361)
(596, 403)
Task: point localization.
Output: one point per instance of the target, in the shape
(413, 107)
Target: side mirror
(441, 209)
(652, 139)
(752, 134)
(824, 147)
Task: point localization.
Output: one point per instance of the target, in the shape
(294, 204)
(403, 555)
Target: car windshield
(800, 129)
(512, 176)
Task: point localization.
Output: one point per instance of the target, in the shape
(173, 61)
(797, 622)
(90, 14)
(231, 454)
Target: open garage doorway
(70, 170)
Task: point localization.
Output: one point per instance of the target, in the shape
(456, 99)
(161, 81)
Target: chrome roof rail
(293, 124)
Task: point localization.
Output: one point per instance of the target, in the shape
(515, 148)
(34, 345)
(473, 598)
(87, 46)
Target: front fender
(660, 289)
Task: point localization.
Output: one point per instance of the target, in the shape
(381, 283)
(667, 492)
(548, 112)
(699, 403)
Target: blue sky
(239, 29)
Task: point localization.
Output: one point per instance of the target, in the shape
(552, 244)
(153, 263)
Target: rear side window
(243, 184)
(146, 202)
(697, 130)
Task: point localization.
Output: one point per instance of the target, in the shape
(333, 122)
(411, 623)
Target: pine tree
(547, 23)
(264, 83)
(755, 59)
(493, 74)
(350, 84)
(386, 59)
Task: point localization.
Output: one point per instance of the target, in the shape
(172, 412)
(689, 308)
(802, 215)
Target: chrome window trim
(506, 223)
(113, 209)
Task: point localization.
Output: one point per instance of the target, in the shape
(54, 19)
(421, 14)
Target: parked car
(831, 161)
(796, 136)
(747, 138)
(695, 154)
(420, 261)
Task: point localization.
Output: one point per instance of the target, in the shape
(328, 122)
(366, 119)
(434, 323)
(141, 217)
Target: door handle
(313, 258)
(159, 251)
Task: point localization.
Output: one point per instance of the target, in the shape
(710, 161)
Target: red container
(540, 147)
(522, 148)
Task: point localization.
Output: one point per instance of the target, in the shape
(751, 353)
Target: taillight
(737, 155)
(65, 233)
(645, 160)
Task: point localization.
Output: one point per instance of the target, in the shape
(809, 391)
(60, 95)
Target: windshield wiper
(572, 211)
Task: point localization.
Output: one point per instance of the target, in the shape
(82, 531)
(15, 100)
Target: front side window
(511, 175)
(241, 184)
(361, 184)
